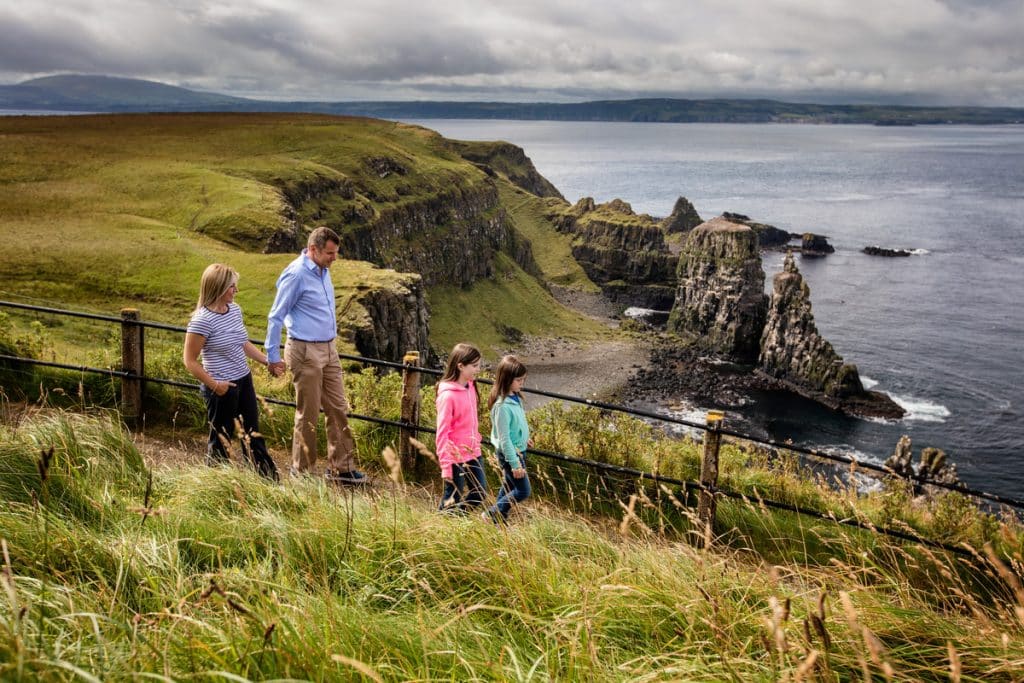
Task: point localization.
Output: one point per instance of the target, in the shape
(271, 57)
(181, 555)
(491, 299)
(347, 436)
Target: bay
(940, 331)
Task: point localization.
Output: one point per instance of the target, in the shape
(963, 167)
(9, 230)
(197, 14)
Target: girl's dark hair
(461, 354)
(510, 368)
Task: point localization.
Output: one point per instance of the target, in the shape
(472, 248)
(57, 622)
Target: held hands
(276, 368)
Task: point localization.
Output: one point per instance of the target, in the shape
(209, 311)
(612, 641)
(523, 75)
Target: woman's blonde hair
(463, 354)
(509, 369)
(216, 280)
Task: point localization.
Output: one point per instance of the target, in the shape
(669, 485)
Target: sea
(941, 331)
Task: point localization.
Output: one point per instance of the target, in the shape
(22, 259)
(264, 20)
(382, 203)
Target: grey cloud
(923, 50)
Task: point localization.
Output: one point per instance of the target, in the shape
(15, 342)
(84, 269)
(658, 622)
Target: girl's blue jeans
(512, 490)
(467, 477)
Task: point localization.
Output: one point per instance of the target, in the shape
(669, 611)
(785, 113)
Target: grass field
(102, 212)
(213, 574)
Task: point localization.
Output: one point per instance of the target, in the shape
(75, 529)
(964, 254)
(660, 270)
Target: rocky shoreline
(673, 372)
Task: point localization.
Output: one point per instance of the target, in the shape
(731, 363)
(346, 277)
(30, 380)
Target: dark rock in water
(815, 245)
(933, 467)
(683, 217)
(791, 348)
(768, 236)
(721, 301)
(793, 352)
(721, 310)
(882, 251)
(901, 460)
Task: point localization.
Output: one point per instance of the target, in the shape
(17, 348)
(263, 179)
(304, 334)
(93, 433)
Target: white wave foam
(921, 410)
(637, 312)
(920, 252)
(868, 382)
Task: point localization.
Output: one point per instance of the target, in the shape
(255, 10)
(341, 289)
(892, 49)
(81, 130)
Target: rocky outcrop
(720, 300)
(721, 308)
(882, 251)
(388, 319)
(934, 466)
(796, 355)
(509, 160)
(623, 252)
(791, 348)
(449, 237)
(815, 245)
(768, 236)
(683, 218)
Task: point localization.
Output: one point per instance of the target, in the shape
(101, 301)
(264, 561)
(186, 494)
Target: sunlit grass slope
(216, 574)
(102, 212)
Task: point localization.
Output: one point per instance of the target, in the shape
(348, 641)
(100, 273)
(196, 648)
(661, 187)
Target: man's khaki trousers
(317, 376)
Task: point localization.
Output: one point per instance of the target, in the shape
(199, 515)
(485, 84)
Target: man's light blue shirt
(304, 304)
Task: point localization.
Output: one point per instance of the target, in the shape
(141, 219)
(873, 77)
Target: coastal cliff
(448, 236)
(387, 318)
(623, 252)
(721, 309)
(720, 302)
(509, 160)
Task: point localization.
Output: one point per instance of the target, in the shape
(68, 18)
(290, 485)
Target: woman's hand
(519, 473)
(220, 387)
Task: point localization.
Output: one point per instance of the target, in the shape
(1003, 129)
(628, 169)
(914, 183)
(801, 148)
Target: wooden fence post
(410, 411)
(709, 478)
(133, 360)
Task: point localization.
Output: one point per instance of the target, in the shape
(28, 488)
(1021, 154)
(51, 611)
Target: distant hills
(78, 93)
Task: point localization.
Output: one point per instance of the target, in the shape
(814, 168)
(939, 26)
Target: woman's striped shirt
(223, 355)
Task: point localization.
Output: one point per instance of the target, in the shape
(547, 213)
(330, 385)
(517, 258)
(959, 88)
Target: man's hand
(276, 368)
(519, 472)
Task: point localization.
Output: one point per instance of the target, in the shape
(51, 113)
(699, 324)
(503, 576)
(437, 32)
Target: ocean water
(941, 331)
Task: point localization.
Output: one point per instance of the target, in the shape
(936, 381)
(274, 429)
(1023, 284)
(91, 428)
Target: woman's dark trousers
(236, 413)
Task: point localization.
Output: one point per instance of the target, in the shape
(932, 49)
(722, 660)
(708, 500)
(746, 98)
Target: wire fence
(611, 473)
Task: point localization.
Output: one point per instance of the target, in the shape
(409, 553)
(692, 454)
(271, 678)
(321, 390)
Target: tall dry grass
(214, 573)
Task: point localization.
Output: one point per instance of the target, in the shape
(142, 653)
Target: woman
(216, 332)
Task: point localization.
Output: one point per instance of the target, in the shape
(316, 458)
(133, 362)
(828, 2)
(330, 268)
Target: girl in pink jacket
(458, 432)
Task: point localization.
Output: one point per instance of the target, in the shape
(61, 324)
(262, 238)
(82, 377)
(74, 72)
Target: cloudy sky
(908, 51)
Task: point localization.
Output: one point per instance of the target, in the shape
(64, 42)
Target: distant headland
(106, 94)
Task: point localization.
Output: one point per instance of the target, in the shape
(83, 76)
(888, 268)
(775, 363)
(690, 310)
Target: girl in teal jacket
(510, 435)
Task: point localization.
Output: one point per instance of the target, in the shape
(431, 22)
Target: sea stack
(791, 348)
(720, 300)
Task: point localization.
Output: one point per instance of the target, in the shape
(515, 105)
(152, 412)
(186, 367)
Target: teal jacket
(509, 431)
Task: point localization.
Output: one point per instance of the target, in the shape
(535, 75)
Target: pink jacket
(458, 430)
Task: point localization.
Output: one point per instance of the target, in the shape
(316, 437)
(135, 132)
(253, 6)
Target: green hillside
(102, 212)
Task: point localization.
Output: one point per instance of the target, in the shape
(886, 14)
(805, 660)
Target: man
(305, 305)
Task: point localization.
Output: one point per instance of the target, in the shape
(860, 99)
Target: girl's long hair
(461, 353)
(510, 368)
(216, 280)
